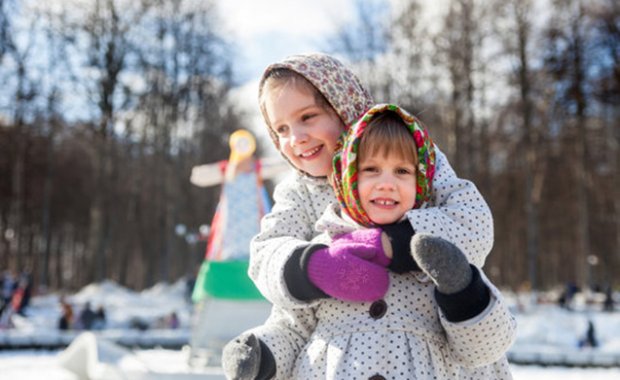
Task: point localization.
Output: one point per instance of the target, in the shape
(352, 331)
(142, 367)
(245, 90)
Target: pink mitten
(365, 243)
(353, 268)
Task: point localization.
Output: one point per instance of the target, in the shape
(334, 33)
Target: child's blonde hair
(387, 134)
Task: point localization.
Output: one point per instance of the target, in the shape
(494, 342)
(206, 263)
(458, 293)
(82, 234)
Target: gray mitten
(241, 357)
(442, 261)
(248, 358)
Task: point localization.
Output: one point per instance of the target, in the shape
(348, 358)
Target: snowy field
(32, 365)
(543, 329)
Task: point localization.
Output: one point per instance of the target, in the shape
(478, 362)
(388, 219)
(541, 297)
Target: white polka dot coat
(403, 336)
(456, 212)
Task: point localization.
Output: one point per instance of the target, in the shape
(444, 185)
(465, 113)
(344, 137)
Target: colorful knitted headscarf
(339, 85)
(345, 162)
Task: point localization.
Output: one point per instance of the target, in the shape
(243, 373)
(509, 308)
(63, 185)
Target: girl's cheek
(282, 143)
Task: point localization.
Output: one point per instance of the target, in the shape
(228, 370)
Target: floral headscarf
(345, 173)
(339, 85)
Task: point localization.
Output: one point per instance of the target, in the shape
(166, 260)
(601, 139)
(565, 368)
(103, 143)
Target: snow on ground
(121, 306)
(545, 327)
(541, 328)
(31, 365)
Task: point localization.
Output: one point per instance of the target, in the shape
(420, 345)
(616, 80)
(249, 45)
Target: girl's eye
(369, 169)
(307, 116)
(404, 171)
(281, 129)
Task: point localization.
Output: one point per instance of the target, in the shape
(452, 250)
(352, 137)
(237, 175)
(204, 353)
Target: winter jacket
(456, 212)
(460, 214)
(403, 336)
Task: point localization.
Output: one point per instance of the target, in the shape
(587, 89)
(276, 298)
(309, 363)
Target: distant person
(66, 317)
(99, 322)
(15, 304)
(608, 304)
(566, 298)
(173, 321)
(138, 323)
(190, 282)
(87, 317)
(6, 318)
(25, 283)
(18, 297)
(590, 339)
(7, 287)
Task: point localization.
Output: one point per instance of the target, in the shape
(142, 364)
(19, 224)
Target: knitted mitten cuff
(267, 368)
(400, 236)
(296, 277)
(467, 303)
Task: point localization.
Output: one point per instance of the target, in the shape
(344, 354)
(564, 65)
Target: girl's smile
(307, 132)
(386, 187)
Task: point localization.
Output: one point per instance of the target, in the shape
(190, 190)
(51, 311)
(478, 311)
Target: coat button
(376, 377)
(378, 309)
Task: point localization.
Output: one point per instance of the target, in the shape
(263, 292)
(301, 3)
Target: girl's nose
(385, 183)
(298, 137)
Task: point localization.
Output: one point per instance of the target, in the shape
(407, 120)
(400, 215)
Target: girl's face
(307, 132)
(387, 187)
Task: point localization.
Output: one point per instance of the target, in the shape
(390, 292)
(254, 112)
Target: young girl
(307, 101)
(447, 322)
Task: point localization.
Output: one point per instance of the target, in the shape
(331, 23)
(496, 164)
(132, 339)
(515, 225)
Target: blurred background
(106, 105)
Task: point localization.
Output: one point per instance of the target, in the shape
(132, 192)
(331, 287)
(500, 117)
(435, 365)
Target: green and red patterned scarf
(344, 176)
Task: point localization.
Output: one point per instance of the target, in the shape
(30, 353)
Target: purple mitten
(346, 272)
(365, 243)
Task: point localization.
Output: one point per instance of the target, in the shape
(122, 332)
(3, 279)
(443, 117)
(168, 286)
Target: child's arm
(485, 338)
(478, 325)
(286, 229)
(269, 351)
(291, 270)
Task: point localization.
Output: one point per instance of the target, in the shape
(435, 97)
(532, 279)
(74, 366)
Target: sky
(266, 31)
(269, 30)
(263, 31)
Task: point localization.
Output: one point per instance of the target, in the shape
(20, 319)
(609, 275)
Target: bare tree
(101, 30)
(364, 42)
(518, 36)
(187, 78)
(605, 21)
(458, 45)
(567, 61)
(409, 69)
(23, 96)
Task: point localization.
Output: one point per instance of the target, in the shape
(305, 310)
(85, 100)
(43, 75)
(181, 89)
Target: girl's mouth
(311, 153)
(384, 202)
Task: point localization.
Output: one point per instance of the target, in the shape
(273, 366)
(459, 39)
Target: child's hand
(442, 261)
(247, 358)
(461, 294)
(349, 270)
(374, 245)
(399, 238)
